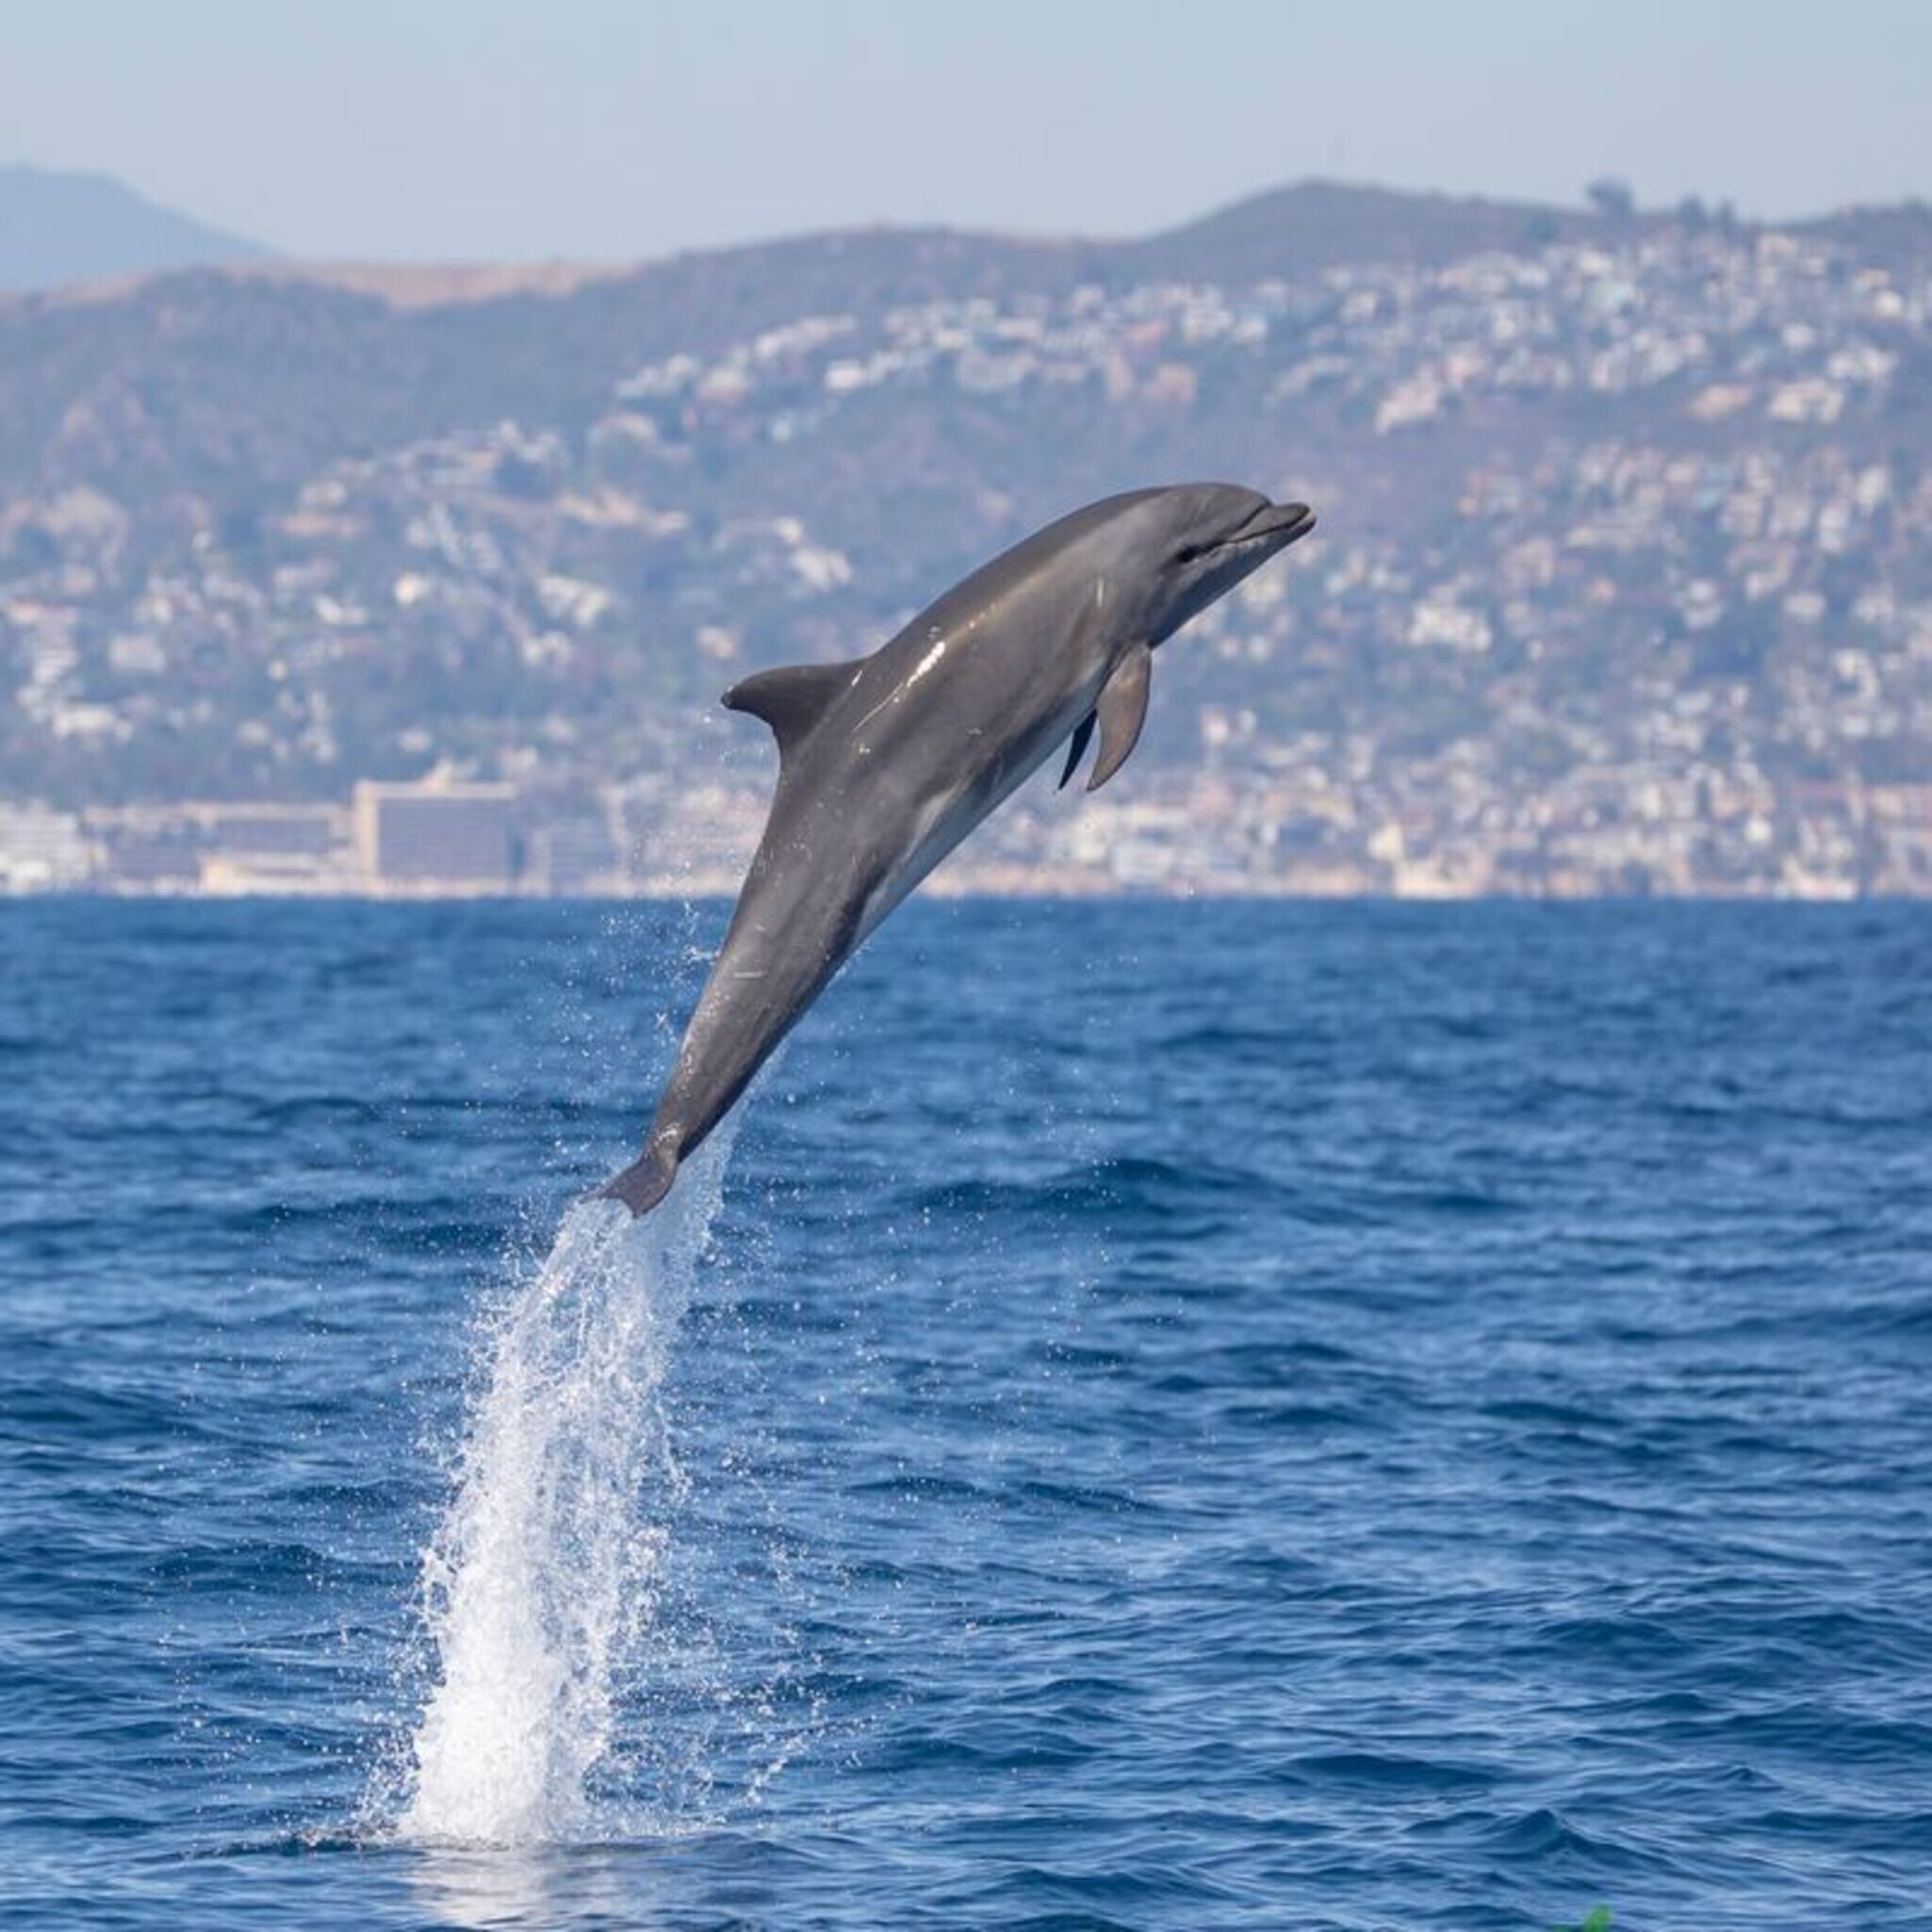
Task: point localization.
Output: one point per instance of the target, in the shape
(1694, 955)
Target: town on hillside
(1623, 582)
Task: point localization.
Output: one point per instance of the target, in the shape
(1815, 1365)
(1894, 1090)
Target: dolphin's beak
(1286, 522)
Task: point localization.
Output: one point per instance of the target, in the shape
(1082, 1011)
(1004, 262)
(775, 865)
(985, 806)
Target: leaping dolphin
(886, 763)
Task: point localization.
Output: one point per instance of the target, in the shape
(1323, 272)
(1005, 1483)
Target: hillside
(1625, 546)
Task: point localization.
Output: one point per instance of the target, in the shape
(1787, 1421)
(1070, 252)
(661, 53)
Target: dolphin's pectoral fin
(1121, 711)
(1078, 750)
(790, 700)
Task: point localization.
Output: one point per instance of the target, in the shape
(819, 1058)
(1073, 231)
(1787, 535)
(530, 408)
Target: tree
(1613, 199)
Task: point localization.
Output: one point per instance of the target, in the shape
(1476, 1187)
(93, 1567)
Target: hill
(1625, 569)
(58, 228)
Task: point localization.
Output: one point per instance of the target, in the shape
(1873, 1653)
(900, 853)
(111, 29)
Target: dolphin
(885, 765)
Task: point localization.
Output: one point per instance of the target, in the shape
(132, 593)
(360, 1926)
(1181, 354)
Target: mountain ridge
(60, 227)
(1312, 223)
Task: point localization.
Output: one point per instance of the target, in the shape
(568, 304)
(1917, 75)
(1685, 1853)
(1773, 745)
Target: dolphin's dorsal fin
(790, 700)
(1121, 711)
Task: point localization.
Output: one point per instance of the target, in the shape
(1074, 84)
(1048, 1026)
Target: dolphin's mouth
(1278, 523)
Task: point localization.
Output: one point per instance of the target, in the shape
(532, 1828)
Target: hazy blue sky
(480, 129)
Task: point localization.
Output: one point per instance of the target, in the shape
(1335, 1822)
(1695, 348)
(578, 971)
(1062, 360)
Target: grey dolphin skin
(886, 763)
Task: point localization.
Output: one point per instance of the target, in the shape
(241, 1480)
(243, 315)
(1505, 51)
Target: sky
(481, 130)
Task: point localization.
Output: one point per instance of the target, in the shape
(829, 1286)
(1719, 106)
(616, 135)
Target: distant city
(1624, 582)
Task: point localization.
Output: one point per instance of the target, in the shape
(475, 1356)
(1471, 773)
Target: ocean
(1165, 1416)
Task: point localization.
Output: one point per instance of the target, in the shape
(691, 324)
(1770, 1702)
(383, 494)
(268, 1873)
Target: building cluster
(1290, 832)
(438, 837)
(1625, 584)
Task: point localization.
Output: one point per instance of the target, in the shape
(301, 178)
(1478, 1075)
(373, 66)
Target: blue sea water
(1169, 1415)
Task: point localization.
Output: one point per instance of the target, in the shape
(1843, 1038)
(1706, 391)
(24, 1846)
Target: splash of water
(541, 1584)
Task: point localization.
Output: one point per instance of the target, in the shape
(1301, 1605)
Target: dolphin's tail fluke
(646, 1181)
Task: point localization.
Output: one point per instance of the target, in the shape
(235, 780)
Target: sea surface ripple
(1201, 1415)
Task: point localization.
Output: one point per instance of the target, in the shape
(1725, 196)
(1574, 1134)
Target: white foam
(540, 1586)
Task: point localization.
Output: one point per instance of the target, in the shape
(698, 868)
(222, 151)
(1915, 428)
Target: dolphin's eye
(1187, 552)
